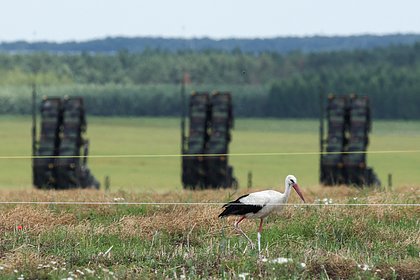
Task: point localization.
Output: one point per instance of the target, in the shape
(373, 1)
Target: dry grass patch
(331, 266)
(171, 219)
(53, 195)
(408, 270)
(35, 219)
(25, 256)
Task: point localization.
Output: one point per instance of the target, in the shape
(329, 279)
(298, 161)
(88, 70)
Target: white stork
(259, 205)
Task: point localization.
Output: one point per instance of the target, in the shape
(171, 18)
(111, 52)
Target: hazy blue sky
(59, 20)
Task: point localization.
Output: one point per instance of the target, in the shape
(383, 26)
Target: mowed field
(161, 137)
(167, 241)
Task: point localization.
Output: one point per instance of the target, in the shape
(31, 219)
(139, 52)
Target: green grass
(167, 241)
(161, 136)
(160, 242)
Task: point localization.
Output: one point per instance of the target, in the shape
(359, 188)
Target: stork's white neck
(287, 190)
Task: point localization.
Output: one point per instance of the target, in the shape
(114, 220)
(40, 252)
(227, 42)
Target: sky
(80, 20)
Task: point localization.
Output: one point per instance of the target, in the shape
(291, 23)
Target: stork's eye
(291, 180)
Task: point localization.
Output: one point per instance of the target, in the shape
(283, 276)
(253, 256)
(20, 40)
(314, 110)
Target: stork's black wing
(239, 208)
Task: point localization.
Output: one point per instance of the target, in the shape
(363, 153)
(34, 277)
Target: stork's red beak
(297, 189)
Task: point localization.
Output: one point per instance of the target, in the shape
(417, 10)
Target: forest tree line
(267, 84)
(253, 45)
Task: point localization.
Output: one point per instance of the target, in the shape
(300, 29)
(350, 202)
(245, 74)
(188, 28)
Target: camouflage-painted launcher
(44, 172)
(211, 119)
(349, 124)
(193, 168)
(219, 173)
(62, 125)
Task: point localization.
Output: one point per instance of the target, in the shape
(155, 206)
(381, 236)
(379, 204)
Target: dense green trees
(144, 68)
(264, 85)
(279, 45)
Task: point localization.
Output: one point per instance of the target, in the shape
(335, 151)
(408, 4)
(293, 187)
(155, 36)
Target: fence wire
(206, 203)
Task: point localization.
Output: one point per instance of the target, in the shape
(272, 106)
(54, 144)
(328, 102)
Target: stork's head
(291, 181)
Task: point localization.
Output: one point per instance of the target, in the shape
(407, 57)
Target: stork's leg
(259, 236)
(237, 227)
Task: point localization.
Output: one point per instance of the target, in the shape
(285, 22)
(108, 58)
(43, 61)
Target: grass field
(189, 241)
(161, 136)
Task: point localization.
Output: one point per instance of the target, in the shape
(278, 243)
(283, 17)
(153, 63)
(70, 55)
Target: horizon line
(206, 37)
